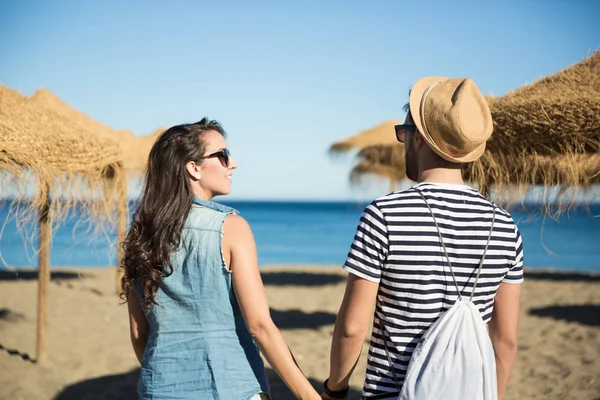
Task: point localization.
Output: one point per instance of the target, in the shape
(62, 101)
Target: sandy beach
(90, 357)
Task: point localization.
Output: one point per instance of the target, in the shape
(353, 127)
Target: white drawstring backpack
(454, 359)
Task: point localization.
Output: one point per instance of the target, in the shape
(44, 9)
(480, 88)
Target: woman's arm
(138, 326)
(240, 248)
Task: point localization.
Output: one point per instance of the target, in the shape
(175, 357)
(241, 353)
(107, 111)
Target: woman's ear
(193, 170)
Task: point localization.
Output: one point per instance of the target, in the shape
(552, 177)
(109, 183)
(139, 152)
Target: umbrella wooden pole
(122, 224)
(392, 185)
(43, 275)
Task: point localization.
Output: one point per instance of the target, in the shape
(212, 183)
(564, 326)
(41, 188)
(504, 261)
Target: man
(397, 262)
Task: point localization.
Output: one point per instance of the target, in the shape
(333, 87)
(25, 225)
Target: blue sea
(293, 233)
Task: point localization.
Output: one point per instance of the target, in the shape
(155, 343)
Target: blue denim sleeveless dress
(198, 344)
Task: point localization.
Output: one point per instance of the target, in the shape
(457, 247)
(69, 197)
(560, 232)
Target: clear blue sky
(285, 78)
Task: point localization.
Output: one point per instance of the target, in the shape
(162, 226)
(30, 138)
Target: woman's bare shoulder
(236, 228)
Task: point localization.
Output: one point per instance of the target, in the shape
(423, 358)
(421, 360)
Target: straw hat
(452, 116)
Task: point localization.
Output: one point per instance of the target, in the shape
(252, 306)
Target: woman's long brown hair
(159, 217)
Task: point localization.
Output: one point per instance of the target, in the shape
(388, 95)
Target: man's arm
(504, 324)
(365, 261)
(504, 327)
(351, 326)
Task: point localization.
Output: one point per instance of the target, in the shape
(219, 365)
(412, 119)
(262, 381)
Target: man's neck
(442, 175)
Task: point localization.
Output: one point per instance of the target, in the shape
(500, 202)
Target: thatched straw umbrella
(566, 170)
(546, 133)
(49, 101)
(382, 134)
(137, 148)
(64, 159)
(377, 148)
(554, 115)
(380, 161)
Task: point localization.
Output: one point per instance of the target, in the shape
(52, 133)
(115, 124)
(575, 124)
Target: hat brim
(416, 94)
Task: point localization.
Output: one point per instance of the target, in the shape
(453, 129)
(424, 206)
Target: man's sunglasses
(402, 130)
(223, 156)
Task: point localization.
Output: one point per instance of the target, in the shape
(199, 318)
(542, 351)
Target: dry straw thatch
(379, 153)
(380, 160)
(74, 166)
(134, 149)
(48, 101)
(59, 153)
(499, 172)
(137, 148)
(382, 134)
(133, 152)
(546, 133)
(557, 114)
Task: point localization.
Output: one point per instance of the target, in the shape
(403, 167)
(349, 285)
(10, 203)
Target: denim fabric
(260, 396)
(198, 344)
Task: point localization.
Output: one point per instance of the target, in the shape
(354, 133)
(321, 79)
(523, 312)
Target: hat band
(425, 93)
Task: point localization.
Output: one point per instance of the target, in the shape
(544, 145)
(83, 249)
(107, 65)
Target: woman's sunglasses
(402, 130)
(223, 156)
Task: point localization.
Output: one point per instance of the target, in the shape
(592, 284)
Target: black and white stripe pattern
(397, 245)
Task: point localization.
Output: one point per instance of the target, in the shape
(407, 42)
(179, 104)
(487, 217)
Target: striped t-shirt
(397, 245)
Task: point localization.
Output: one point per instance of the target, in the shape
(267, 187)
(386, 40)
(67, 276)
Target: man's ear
(193, 170)
(419, 141)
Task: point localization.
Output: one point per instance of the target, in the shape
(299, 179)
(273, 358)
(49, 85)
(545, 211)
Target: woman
(192, 284)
